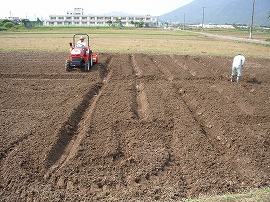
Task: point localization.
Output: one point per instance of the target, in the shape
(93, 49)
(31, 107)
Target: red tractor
(81, 55)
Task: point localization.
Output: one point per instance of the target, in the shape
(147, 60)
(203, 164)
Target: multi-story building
(78, 18)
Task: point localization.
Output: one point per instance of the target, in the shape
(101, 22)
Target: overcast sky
(43, 8)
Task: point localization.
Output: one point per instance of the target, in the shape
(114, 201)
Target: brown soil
(136, 127)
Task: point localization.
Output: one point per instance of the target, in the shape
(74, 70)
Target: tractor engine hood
(76, 52)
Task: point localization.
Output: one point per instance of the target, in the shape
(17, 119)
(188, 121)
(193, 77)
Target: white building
(213, 26)
(78, 18)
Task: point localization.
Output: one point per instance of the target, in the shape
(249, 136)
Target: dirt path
(235, 38)
(136, 127)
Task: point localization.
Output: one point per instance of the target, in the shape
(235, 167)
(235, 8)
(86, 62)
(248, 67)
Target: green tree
(118, 22)
(109, 22)
(4, 22)
(9, 25)
(137, 24)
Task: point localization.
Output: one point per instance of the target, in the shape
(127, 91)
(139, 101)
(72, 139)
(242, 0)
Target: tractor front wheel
(87, 66)
(88, 63)
(67, 65)
(91, 58)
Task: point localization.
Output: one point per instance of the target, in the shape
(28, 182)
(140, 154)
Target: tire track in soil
(5, 153)
(184, 65)
(206, 138)
(187, 73)
(170, 77)
(214, 136)
(158, 128)
(171, 61)
(240, 102)
(41, 77)
(140, 99)
(8, 153)
(175, 72)
(74, 130)
(220, 136)
(246, 118)
(195, 67)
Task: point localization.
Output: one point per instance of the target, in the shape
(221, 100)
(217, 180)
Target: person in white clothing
(81, 42)
(238, 62)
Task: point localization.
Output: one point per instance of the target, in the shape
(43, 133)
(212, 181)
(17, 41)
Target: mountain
(221, 12)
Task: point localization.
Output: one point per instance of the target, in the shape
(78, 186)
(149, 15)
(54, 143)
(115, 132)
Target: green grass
(256, 195)
(129, 40)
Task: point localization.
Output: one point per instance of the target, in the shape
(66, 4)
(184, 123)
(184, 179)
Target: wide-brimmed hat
(82, 37)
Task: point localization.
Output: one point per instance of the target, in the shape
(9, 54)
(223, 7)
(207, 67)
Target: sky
(33, 9)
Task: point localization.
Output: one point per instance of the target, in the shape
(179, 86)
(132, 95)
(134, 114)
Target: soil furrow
(70, 128)
(74, 130)
(4, 153)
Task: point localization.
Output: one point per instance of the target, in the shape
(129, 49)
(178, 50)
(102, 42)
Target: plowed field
(136, 127)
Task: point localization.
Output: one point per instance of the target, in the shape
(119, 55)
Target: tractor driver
(81, 42)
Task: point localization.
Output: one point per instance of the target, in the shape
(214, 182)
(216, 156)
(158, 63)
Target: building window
(53, 18)
(76, 18)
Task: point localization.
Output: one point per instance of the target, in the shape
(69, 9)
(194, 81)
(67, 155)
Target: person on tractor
(82, 44)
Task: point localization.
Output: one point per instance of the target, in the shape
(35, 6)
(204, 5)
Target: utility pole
(184, 21)
(252, 16)
(203, 16)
